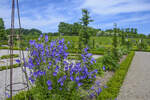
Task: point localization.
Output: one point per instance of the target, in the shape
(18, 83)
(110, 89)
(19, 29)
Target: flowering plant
(52, 74)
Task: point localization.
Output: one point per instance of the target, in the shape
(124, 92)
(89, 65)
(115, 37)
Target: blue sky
(46, 14)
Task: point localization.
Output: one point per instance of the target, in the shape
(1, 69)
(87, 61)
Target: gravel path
(17, 77)
(136, 85)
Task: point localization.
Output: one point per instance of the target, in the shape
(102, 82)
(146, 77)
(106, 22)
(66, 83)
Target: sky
(47, 14)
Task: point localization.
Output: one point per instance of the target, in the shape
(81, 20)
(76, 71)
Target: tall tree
(2, 24)
(85, 20)
(115, 43)
(3, 36)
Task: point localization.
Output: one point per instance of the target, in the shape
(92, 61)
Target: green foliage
(8, 56)
(116, 81)
(142, 45)
(115, 44)
(109, 62)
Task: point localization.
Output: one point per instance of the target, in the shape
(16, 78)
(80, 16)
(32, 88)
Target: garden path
(136, 85)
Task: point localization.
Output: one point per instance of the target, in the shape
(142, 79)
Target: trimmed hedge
(116, 81)
(14, 48)
(90, 51)
(8, 56)
(5, 67)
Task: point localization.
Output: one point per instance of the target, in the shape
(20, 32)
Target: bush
(116, 81)
(110, 62)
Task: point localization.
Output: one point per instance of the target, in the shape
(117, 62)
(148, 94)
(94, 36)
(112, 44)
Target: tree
(2, 24)
(85, 20)
(123, 38)
(115, 43)
(3, 36)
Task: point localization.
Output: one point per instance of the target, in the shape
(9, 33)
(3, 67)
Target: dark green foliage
(3, 36)
(123, 38)
(69, 29)
(115, 44)
(109, 62)
(116, 81)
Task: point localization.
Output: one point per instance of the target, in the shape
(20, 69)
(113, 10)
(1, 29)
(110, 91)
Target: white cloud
(104, 7)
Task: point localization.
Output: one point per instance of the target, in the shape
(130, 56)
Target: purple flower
(92, 88)
(46, 38)
(18, 61)
(71, 78)
(61, 83)
(104, 68)
(66, 68)
(105, 86)
(48, 67)
(32, 42)
(77, 79)
(54, 73)
(92, 95)
(60, 88)
(50, 63)
(98, 91)
(97, 83)
(32, 80)
(41, 35)
(94, 76)
(60, 79)
(50, 88)
(68, 43)
(79, 84)
(49, 83)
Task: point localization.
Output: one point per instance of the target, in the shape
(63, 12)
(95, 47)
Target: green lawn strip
(8, 56)
(117, 79)
(8, 67)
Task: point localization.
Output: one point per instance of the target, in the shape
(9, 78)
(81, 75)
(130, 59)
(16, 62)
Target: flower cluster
(48, 65)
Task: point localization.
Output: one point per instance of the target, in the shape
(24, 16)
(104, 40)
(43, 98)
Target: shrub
(110, 62)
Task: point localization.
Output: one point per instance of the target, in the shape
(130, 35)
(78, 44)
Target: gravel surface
(18, 76)
(136, 85)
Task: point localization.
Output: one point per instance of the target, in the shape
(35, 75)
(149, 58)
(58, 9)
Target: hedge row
(8, 56)
(14, 48)
(5, 67)
(116, 81)
(93, 52)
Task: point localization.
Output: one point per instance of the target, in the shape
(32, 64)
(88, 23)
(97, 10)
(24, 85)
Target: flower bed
(53, 77)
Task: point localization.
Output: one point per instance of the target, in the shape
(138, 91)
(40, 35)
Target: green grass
(116, 81)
